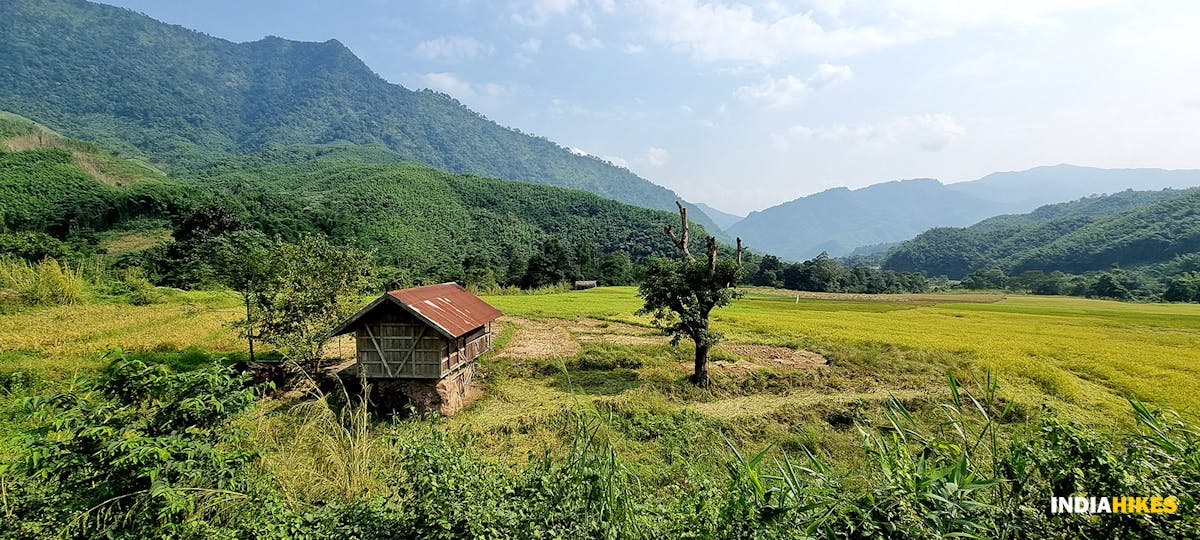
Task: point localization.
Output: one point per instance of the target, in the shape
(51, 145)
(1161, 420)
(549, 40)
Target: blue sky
(746, 105)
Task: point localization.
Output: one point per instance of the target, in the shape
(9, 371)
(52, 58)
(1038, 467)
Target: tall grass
(46, 283)
(329, 450)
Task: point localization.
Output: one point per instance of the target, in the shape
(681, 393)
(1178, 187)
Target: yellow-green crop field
(1082, 355)
(564, 354)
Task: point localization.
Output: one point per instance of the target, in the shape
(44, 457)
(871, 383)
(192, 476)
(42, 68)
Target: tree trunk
(700, 377)
(249, 328)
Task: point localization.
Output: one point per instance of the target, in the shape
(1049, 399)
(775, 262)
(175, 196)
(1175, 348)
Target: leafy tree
(197, 234)
(616, 268)
(242, 260)
(1184, 288)
(313, 285)
(992, 278)
(1108, 286)
(769, 273)
(553, 264)
(681, 294)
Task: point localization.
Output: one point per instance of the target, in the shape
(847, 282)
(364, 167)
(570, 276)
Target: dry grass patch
(539, 340)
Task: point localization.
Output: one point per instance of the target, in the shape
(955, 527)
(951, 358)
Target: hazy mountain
(185, 99)
(1131, 228)
(724, 220)
(841, 220)
(1051, 184)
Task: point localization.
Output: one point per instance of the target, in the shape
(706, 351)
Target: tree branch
(681, 242)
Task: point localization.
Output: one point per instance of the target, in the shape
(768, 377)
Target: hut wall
(409, 347)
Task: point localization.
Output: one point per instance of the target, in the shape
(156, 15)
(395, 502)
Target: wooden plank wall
(396, 335)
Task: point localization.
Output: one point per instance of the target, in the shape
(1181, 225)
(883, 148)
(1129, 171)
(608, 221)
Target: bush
(138, 450)
(44, 283)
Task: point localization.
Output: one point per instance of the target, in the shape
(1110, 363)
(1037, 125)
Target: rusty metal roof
(449, 308)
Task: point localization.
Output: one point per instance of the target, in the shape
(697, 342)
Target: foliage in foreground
(140, 451)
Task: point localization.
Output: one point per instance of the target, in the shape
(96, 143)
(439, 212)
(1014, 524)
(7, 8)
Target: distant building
(418, 346)
(585, 285)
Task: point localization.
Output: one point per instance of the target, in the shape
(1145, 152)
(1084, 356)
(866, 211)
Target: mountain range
(839, 220)
(305, 138)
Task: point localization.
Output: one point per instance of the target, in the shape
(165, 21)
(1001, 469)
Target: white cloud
(539, 12)
(633, 48)
(452, 48)
(829, 74)
(533, 45)
(615, 160)
(719, 31)
(582, 43)
(928, 132)
(657, 157)
(791, 90)
(464, 90)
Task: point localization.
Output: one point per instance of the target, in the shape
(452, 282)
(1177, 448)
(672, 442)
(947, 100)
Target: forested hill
(1129, 229)
(64, 198)
(185, 99)
(427, 221)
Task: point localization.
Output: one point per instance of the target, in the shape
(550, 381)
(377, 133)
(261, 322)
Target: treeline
(826, 274)
(1115, 284)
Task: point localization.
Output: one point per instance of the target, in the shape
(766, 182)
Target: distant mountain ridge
(840, 220)
(186, 99)
(724, 220)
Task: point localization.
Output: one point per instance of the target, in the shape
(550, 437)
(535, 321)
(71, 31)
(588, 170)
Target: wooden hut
(418, 346)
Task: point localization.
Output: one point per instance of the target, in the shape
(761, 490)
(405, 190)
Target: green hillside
(1128, 229)
(421, 218)
(55, 190)
(187, 99)
(58, 195)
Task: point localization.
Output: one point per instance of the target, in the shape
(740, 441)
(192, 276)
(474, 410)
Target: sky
(747, 105)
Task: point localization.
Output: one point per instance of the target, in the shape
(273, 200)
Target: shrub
(137, 450)
(46, 283)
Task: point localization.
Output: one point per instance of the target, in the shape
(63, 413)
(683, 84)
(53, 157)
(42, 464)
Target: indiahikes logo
(1114, 505)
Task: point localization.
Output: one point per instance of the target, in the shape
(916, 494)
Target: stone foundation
(445, 395)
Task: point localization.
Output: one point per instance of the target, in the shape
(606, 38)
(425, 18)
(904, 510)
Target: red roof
(449, 307)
